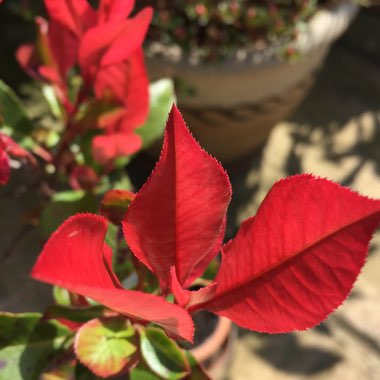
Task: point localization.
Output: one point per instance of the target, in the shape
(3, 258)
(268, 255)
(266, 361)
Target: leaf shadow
(286, 353)
(39, 351)
(337, 102)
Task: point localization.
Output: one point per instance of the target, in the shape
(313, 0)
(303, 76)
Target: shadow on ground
(286, 353)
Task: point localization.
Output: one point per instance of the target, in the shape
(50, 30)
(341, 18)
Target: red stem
(69, 133)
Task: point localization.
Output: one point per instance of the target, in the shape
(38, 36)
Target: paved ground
(335, 133)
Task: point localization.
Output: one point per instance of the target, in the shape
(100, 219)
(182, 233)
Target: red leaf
(83, 177)
(53, 54)
(8, 147)
(127, 83)
(297, 260)
(114, 10)
(129, 39)
(27, 58)
(5, 170)
(64, 46)
(75, 15)
(15, 150)
(112, 43)
(31, 57)
(106, 148)
(178, 216)
(190, 298)
(74, 258)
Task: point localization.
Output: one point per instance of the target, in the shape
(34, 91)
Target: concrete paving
(335, 133)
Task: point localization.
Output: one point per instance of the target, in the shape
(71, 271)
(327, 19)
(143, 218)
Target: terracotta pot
(216, 352)
(233, 105)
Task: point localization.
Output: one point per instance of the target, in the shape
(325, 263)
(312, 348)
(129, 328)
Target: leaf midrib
(297, 254)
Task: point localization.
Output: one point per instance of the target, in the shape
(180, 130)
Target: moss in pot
(213, 30)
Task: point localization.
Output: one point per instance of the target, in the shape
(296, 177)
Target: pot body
(216, 352)
(231, 106)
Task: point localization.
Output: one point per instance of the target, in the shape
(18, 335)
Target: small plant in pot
(129, 272)
(212, 30)
(241, 66)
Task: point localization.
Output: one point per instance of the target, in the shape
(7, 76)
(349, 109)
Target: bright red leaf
(13, 149)
(177, 218)
(64, 47)
(53, 54)
(76, 258)
(190, 298)
(112, 43)
(5, 170)
(130, 38)
(76, 15)
(114, 10)
(297, 259)
(31, 56)
(103, 41)
(28, 60)
(105, 148)
(127, 84)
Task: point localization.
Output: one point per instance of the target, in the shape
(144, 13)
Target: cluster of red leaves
(8, 147)
(288, 267)
(106, 45)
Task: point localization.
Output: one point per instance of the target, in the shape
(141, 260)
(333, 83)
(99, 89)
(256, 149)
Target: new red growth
(287, 269)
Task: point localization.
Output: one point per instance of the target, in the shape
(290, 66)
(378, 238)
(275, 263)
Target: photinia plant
(287, 269)
(89, 66)
(9, 148)
(94, 61)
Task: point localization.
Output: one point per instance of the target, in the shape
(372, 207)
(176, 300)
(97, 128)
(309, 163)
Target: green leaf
(61, 296)
(105, 345)
(117, 179)
(162, 98)
(83, 373)
(68, 196)
(27, 344)
(63, 205)
(51, 97)
(162, 355)
(211, 270)
(197, 371)
(141, 373)
(62, 368)
(75, 314)
(111, 238)
(12, 111)
(121, 181)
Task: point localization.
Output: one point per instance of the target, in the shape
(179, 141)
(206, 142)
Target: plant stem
(68, 135)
